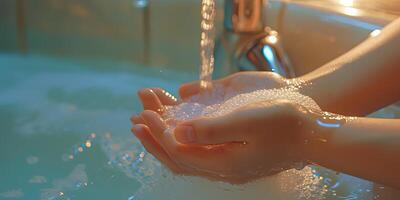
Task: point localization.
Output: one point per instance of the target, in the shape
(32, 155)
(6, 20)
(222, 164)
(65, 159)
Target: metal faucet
(247, 44)
(21, 26)
(144, 6)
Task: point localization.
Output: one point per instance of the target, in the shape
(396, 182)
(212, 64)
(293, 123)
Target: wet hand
(156, 98)
(238, 83)
(249, 143)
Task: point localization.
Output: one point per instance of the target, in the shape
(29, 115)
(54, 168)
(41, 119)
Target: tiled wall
(104, 29)
(8, 39)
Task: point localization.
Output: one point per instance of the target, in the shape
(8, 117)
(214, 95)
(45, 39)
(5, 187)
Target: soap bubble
(214, 107)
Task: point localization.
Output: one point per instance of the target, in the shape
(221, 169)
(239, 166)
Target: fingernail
(136, 129)
(185, 134)
(133, 117)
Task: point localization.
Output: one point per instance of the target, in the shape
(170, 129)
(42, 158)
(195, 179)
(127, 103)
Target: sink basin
(314, 34)
(65, 104)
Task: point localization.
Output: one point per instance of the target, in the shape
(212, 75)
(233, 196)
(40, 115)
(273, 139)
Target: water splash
(76, 180)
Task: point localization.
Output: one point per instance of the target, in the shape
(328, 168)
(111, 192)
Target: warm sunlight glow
(351, 11)
(272, 39)
(348, 3)
(375, 33)
(88, 144)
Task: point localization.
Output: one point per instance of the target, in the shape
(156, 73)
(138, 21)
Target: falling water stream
(72, 141)
(207, 42)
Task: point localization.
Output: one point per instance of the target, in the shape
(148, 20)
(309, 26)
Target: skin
(264, 138)
(361, 81)
(364, 147)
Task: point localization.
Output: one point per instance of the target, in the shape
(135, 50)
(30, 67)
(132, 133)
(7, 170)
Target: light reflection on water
(76, 180)
(309, 183)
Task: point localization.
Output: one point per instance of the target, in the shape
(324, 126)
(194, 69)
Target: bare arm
(357, 83)
(361, 81)
(274, 132)
(364, 147)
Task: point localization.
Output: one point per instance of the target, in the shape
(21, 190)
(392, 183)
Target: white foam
(216, 105)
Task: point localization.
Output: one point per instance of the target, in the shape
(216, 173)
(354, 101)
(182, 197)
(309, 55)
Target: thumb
(216, 130)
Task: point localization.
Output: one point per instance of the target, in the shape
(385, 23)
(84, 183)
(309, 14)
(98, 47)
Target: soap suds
(218, 105)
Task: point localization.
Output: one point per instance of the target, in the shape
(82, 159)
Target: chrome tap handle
(243, 16)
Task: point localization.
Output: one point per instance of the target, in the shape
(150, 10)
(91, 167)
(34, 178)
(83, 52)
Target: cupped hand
(249, 143)
(156, 98)
(238, 83)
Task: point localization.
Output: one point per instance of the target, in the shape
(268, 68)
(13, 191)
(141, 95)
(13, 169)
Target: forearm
(364, 147)
(362, 80)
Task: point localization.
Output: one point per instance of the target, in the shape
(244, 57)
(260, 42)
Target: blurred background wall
(104, 29)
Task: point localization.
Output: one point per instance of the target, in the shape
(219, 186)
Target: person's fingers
(158, 128)
(205, 159)
(217, 160)
(142, 132)
(216, 130)
(154, 122)
(165, 97)
(150, 100)
(189, 89)
(136, 119)
(237, 126)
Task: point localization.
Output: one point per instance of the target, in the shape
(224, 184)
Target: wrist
(308, 134)
(317, 134)
(303, 131)
(314, 86)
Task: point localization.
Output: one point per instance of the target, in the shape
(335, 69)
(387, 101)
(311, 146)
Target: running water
(207, 43)
(308, 183)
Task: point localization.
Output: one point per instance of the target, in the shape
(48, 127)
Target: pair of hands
(253, 141)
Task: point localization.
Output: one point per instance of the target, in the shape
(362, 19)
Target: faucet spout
(243, 16)
(247, 43)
